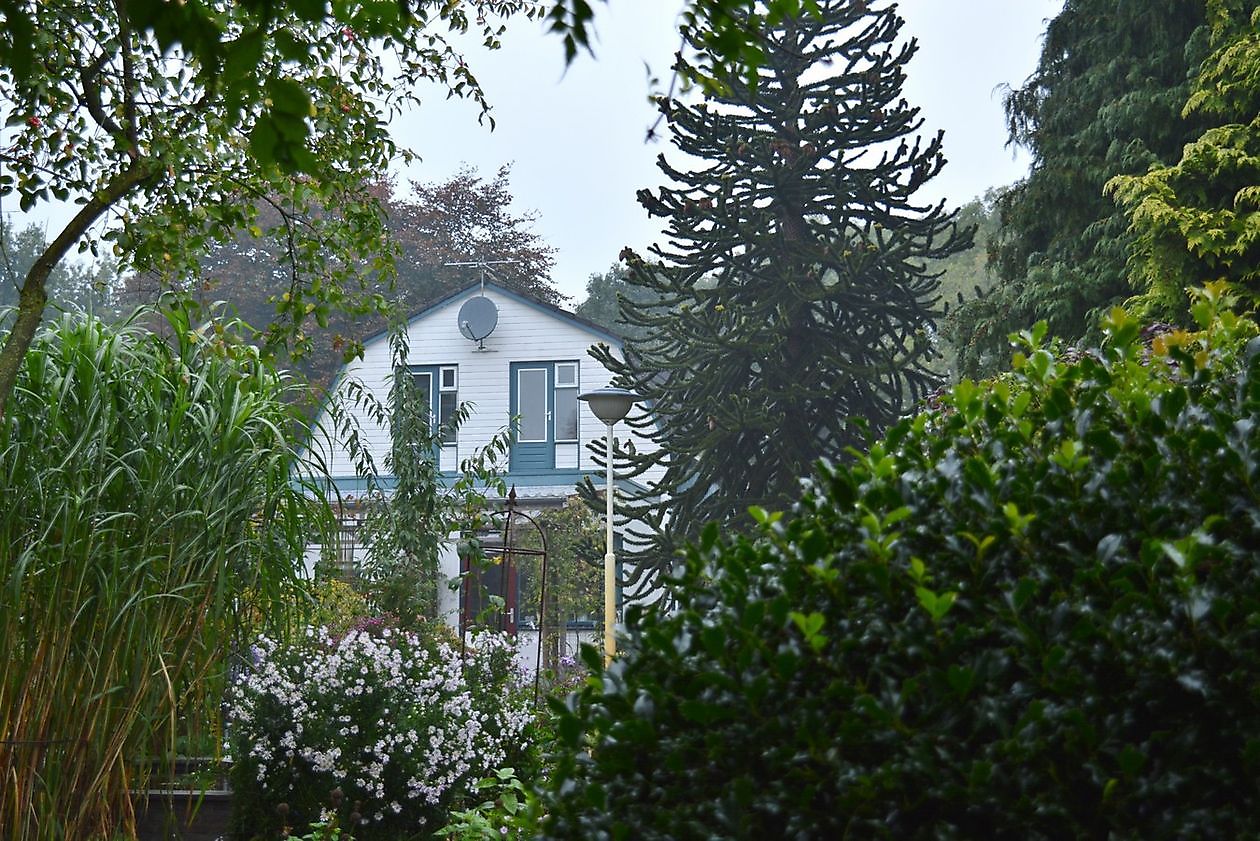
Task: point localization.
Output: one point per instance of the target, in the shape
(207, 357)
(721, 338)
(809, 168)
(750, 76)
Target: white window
(448, 400)
(531, 390)
(566, 401)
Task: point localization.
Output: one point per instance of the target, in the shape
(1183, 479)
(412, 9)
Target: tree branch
(91, 98)
(34, 296)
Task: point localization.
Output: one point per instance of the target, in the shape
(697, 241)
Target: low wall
(163, 815)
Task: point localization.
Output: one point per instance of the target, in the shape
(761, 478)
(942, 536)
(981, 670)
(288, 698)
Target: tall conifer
(1104, 100)
(792, 299)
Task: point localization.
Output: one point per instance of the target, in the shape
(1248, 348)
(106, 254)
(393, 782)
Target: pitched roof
(586, 324)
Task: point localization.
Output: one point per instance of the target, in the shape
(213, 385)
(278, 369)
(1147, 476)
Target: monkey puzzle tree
(794, 297)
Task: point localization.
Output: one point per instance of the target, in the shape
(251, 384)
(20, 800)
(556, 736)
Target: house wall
(526, 332)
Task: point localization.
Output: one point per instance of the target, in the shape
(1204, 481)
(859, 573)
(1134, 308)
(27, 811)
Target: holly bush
(1030, 612)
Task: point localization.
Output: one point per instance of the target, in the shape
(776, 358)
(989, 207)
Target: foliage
(1104, 100)
(173, 148)
(723, 36)
(152, 495)
(966, 275)
(337, 606)
(403, 725)
(794, 296)
(70, 284)
(1199, 219)
(226, 51)
(1029, 613)
(575, 578)
(323, 831)
(604, 292)
(329, 827)
(411, 510)
(199, 31)
(508, 813)
(465, 218)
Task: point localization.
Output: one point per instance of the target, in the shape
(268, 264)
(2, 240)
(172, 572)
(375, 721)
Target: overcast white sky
(576, 138)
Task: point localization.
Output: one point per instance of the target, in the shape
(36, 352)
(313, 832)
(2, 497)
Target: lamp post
(609, 405)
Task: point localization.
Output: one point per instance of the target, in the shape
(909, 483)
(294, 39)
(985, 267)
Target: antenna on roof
(482, 265)
(479, 316)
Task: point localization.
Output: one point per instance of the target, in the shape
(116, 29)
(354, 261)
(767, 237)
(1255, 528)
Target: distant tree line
(462, 219)
(1141, 121)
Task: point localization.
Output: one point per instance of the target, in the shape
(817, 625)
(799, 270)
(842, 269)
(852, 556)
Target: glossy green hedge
(1033, 612)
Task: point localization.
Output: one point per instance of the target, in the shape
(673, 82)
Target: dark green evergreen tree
(794, 296)
(1105, 100)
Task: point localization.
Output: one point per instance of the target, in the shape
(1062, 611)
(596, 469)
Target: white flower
(296, 702)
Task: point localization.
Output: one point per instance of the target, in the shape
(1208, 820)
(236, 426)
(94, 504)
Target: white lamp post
(609, 405)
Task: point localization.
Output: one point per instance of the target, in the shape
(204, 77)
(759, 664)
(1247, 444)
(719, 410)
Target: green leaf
(713, 639)
(709, 536)
(1131, 761)
(763, 517)
(290, 47)
(935, 605)
(244, 54)
(311, 11)
(263, 139)
(810, 626)
(701, 712)
(960, 680)
(1122, 328)
(288, 98)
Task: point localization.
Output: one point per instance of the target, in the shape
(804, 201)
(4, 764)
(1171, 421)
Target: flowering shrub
(404, 725)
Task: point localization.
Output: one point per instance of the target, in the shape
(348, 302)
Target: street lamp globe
(610, 404)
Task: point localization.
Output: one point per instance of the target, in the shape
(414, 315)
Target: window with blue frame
(438, 386)
(544, 406)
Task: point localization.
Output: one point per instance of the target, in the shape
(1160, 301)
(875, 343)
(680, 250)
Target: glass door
(532, 407)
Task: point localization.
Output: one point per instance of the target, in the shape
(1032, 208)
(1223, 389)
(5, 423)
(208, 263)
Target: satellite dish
(477, 318)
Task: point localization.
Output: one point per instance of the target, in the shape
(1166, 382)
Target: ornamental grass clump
(1033, 612)
(152, 497)
(405, 725)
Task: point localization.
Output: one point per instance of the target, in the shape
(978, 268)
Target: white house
(521, 363)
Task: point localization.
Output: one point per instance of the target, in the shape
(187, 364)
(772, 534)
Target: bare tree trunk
(33, 296)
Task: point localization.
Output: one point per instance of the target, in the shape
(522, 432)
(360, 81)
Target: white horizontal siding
(524, 333)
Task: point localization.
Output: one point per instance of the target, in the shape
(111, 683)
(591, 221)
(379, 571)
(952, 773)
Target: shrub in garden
(506, 811)
(404, 725)
(337, 606)
(1033, 612)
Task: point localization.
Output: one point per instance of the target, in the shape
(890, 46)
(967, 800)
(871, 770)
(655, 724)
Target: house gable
(535, 361)
(494, 291)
